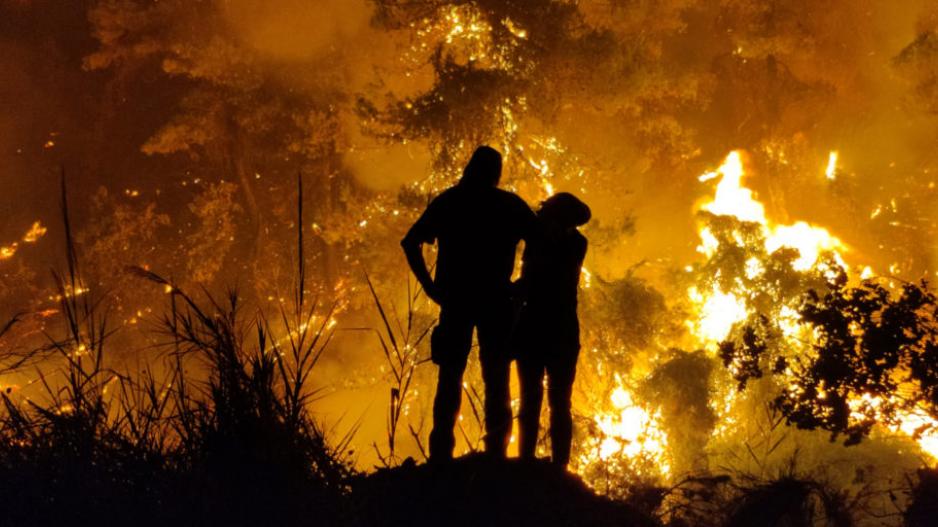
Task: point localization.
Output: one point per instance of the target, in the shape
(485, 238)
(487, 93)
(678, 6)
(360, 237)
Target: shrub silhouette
(223, 437)
(874, 357)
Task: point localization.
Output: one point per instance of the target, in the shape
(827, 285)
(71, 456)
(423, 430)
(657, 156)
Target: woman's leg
(560, 375)
(531, 377)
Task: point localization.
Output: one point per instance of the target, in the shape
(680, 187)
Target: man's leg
(493, 328)
(450, 345)
(531, 376)
(560, 374)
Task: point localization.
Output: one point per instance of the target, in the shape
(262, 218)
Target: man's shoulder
(443, 200)
(512, 200)
(491, 200)
(507, 195)
(446, 195)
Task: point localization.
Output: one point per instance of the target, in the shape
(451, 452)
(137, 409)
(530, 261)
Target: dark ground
(477, 491)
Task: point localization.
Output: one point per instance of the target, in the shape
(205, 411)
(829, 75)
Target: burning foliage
(236, 445)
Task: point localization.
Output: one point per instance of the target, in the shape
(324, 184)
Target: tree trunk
(236, 166)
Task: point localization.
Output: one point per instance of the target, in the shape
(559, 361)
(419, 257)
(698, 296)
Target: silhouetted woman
(547, 337)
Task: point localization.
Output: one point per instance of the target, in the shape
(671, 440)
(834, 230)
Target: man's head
(484, 168)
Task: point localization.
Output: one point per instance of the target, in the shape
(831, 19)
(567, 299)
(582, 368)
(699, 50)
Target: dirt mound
(475, 490)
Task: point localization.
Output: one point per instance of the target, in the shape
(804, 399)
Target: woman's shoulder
(577, 245)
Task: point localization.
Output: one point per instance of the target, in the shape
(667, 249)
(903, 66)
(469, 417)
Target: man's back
(477, 230)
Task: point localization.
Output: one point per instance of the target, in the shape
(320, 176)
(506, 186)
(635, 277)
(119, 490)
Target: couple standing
(477, 228)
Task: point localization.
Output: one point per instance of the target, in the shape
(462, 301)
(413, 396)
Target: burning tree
(872, 360)
(509, 74)
(777, 299)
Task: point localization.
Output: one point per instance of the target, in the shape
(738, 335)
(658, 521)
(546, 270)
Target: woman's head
(484, 168)
(564, 210)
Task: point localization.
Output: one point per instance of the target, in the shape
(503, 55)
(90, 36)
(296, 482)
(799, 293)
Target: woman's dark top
(550, 278)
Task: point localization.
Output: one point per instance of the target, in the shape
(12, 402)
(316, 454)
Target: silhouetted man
(477, 228)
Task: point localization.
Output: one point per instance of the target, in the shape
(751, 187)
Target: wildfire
(734, 199)
(731, 197)
(630, 430)
(922, 427)
(917, 425)
(626, 430)
(718, 310)
(810, 241)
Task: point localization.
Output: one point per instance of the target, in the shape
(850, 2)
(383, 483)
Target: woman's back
(548, 325)
(551, 270)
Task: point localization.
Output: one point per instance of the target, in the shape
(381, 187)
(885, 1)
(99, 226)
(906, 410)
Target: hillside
(475, 490)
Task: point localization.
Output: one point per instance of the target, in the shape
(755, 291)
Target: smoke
(388, 168)
(298, 30)
(43, 107)
(302, 39)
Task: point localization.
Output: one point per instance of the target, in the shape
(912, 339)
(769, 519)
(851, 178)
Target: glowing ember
(35, 232)
(514, 28)
(831, 171)
(32, 236)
